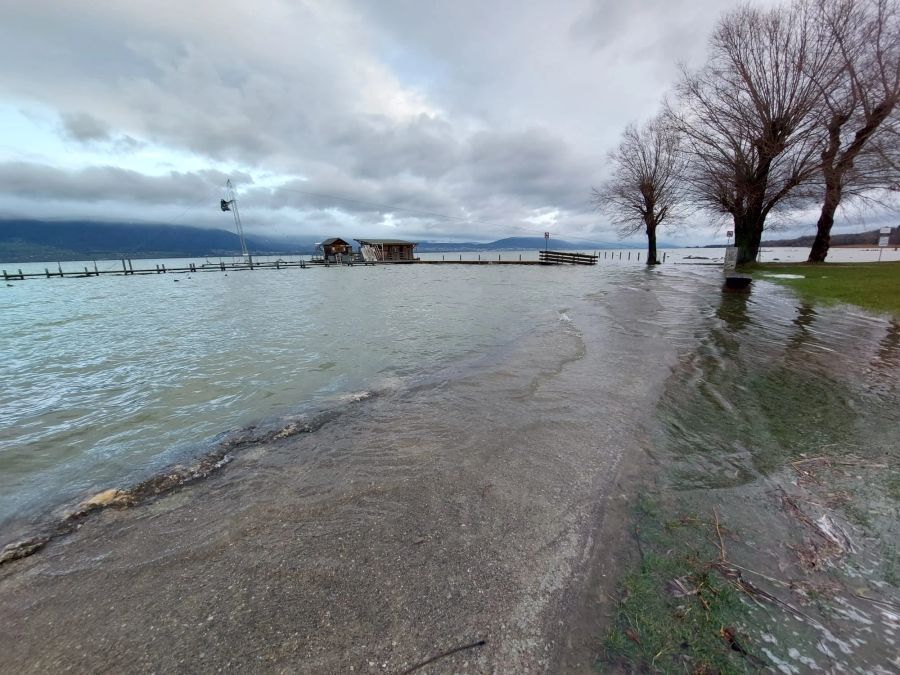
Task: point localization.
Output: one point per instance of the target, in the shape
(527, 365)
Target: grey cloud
(490, 113)
(110, 184)
(84, 128)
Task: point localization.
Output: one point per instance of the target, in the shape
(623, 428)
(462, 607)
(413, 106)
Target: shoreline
(356, 535)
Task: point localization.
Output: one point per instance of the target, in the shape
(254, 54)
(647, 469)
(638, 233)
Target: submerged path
(480, 506)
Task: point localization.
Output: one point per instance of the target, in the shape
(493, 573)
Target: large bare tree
(645, 188)
(749, 116)
(859, 151)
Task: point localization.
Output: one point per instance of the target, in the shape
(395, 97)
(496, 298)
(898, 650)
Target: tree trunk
(748, 228)
(820, 245)
(651, 244)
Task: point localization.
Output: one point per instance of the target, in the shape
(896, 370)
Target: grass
(677, 614)
(875, 286)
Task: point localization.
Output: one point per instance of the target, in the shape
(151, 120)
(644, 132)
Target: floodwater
(420, 457)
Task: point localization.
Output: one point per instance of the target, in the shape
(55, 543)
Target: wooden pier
(160, 268)
(126, 266)
(566, 258)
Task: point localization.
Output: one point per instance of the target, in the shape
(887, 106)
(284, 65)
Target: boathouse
(335, 248)
(387, 250)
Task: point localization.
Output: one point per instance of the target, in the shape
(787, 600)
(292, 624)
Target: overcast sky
(467, 118)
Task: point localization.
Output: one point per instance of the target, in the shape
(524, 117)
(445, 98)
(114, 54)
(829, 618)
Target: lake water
(476, 434)
(109, 380)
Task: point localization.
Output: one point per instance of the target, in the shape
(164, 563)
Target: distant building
(335, 248)
(387, 250)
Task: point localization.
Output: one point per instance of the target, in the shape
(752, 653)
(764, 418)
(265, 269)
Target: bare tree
(858, 105)
(645, 189)
(749, 116)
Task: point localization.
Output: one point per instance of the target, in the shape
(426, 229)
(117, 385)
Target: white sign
(546, 235)
(883, 240)
(885, 230)
(731, 256)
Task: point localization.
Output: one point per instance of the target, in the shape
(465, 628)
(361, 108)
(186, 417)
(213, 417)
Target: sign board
(729, 234)
(885, 236)
(731, 255)
(546, 235)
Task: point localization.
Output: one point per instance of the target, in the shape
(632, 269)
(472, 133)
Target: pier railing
(566, 258)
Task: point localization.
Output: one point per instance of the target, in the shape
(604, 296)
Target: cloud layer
(398, 117)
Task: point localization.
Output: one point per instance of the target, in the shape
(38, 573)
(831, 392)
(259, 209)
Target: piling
(629, 255)
(96, 271)
(47, 272)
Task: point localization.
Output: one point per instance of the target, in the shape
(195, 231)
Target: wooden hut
(388, 250)
(335, 248)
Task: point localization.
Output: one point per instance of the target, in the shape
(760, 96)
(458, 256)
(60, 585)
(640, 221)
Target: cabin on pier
(387, 250)
(336, 249)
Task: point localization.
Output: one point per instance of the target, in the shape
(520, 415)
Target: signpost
(729, 234)
(883, 239)
(546, 240)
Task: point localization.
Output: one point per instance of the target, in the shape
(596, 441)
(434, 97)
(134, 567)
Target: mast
(231, 205)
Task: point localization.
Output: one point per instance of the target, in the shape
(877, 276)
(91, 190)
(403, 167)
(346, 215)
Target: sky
(434, 121)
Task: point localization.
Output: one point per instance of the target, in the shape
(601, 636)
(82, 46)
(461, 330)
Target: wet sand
(478, 505)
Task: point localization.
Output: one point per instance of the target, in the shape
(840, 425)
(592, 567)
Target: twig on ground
(416, 667)
(719, 533)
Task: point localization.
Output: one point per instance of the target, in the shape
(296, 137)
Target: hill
(36, 240)
(24, 240)
(869, 238)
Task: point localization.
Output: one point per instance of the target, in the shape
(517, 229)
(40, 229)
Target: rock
(21, 549)
(111, 497)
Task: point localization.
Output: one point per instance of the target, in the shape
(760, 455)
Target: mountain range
(23, 240)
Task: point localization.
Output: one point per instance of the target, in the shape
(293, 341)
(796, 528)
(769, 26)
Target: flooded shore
(479, 511)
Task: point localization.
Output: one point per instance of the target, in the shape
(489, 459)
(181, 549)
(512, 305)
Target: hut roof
(335, 240)
(388, 242)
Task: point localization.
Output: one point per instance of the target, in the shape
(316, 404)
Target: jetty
(126, 266)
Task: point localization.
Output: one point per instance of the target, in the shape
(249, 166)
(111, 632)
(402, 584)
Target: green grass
(875, 286)
(656, 630)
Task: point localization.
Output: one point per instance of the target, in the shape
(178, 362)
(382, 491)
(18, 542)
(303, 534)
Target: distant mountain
(36, 240)
(869, 238)
(46, 241)
(520, 244)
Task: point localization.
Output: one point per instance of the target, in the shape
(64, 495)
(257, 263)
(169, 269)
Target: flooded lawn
(768, 539)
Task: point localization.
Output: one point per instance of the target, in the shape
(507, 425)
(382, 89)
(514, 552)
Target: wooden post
(164, 268)
(5, 276)
(520, 257)
(460, 257)
(276, 264)
(124, 267)
(604, 254)
(629, 255)
(479, 257)
(157, 268)
(222, 265)
(498, 257)
(96, 272)
(47, 272)
(639, 255)
(130, 266)
(620, 255)
(59, 264)
(86, 273)
(664, 257)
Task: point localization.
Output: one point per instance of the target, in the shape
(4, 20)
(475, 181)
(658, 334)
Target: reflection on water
(773, 379)
(783, 422)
